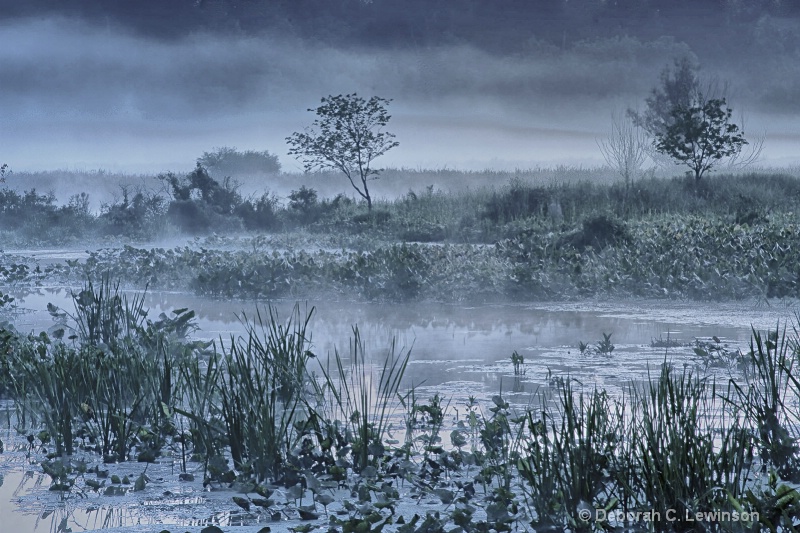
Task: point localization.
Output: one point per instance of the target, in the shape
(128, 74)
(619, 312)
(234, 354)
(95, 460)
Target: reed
(768, 399)
(688, 455)
(365, 405)
(263, 383)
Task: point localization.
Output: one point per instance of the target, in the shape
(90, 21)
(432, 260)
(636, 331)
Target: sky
(149, 86)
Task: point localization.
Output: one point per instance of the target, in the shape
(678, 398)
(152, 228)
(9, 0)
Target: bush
(228, 161)
(260, 214)
(138, 216)
(303, 205)
(598, 232)
(201, 204)
(199, 185)
(194, 217)
(38, 220)
(519, 200)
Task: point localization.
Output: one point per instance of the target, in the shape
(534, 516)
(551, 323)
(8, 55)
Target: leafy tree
(347, 135)
(700, 135)
(690, 124)
(679, 87)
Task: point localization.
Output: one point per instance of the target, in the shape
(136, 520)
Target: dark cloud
(102, 84)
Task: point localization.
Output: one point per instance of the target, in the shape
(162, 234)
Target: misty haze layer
(123, 93)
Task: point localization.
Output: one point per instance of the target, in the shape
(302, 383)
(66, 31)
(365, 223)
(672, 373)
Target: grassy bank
(259, 414)
(723, 238)
(702, 257)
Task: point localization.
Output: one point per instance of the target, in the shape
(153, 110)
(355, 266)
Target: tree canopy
(700, 135)
(347, 135)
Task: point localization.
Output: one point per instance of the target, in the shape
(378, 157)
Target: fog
(81, 94)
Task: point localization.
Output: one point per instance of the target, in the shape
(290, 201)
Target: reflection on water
(26, 504)
(452, 344)
(457, 352)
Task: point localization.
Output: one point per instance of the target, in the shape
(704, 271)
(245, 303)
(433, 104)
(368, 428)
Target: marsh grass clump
(112, 383)
(365, 405)
(768, 398)
(569, 457)
(689, 455)
(262, 389)
(669, 342)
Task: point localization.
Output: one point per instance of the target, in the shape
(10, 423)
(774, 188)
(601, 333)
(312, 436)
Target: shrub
(303, 205)
(519, 200)
(227, 161)
(260, 214)
(194, 217)
(138, 216)
(199, 185)
(201, 204)
(598, 232)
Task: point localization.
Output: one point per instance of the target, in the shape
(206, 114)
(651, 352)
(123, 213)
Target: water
(457, 352)
(456, 348)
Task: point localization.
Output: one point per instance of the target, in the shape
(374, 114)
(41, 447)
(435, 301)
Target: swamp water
(456, 352)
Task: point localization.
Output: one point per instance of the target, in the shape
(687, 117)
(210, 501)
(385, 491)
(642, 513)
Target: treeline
(195, 203)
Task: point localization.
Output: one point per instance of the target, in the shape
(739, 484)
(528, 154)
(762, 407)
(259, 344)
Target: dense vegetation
(258, 414)
(725, 237)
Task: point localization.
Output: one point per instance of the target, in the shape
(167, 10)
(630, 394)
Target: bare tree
(748, 155)
(625, 149)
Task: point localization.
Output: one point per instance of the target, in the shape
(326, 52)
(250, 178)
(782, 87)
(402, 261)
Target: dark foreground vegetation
(259, 414)
(725, 237)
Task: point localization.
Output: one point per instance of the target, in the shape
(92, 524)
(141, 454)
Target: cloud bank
(81, 95)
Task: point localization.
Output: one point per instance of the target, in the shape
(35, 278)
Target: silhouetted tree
(690, 123)
(700, 135)
(347, 136)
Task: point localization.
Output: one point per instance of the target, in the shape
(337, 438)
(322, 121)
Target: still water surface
(456, 351)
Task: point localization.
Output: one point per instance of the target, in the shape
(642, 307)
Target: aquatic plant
(261, 390)
(605, 346)
(689, 256)
(569, 458)
(366, 406)
(689, 455)
(768, 399)
(251, 410)
(517, 361)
